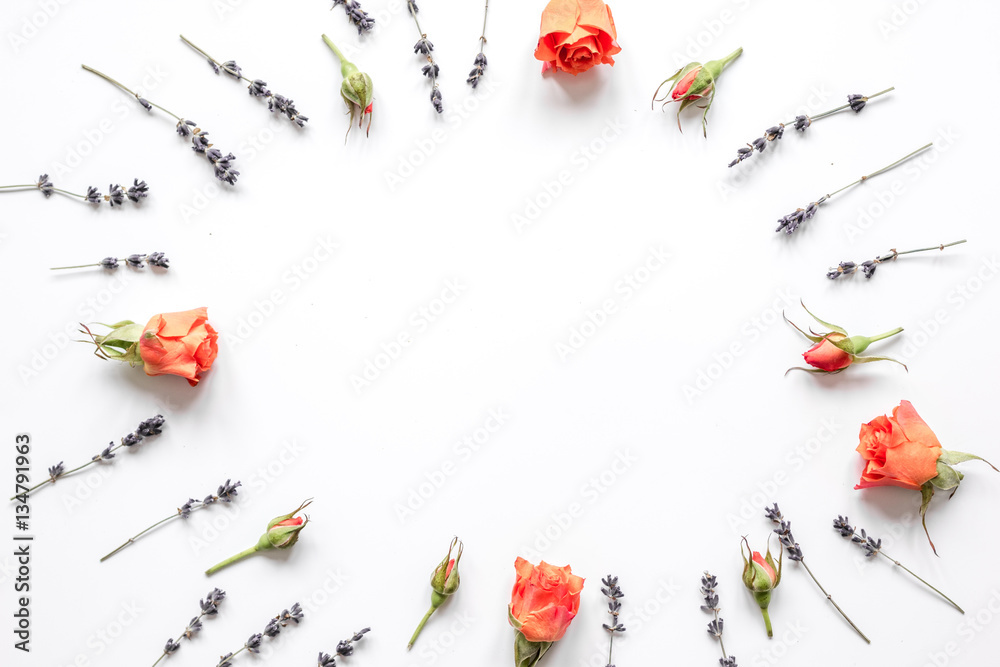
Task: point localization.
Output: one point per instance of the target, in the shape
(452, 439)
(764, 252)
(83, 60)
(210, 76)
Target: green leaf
(953, 458)
(819, 371)
(527, 654)
(947, 477)
(834, 327)
(926, 493)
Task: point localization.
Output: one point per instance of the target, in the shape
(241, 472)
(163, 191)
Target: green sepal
(833, 327)
(677, 75)
(527, 654)
(513, 621)
(926, 493)
(763, 598)
(853, 345)
(954, 458)
(815, 370)
(865, 360)
(814, 338)
(947, 478)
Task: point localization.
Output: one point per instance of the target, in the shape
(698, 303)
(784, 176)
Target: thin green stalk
(5, 187)
(830, 598)
(213, 60)
(140, 534)
(844, 106)
(52, 480)
(178, 640)
(129, 90)
(893, 254)
(921, 580)
(882, 170)
(420, 627)
(887, 334)
(232, 559)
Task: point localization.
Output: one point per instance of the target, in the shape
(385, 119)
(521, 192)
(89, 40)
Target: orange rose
(900, 450)
(182, 344)
(544, 601)
(576, 35)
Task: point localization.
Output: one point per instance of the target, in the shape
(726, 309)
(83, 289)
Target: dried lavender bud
(45, 185)
(93, 196)
(802, 122)
(145, 103)
(158, 259)
(356, 15)
(210, 605)
(436, 101)
(171, 646)
(232, 69)
(812, 208)
(258, 88)
(773, 513)
(775, 132)
(152, 426)
(211, 63)
(131, 439)
(430, 70)
(715, 627)
(107, 454)
(857, 102)
(326, 660)
(286, 106)
(253, 644)
(135, 261)
(742, 154)
(424, 46)
(791, 222)
(228, 491)
(272, 628)
(193, 628)
(478, 70)
(109, 263)
(841, 525)
(760, 144)
(200, 142)
(185, 510)
(116, 195)
(138, 190)
(728, 662)
(293, 615)
(57, 470)
(223, 165)
(869, 268)
(225, 661)
(184, 127)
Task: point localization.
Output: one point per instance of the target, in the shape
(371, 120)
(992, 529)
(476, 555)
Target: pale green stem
(837, 606)
(844, 106)
(883, 169)
(420, 627)
(232, 559)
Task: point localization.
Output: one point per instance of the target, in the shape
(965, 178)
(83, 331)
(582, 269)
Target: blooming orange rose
(544, 601)
(900, 450)
(576, 35)
(826, 356)
(182, 344)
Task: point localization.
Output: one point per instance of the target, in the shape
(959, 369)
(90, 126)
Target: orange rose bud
(903, 451)
(544, 602)
(576, 35)
(444, 582)
(182, 344)
(761, 576)
(692, 83)
(833, 351)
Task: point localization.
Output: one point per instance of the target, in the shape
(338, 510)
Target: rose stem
(420, 627)
(883, 169)
(845, 106)
(138, 535)
(887, 334)
(920, 579)
(830, 598)
(69, 472)
(232, 559)
(129, 90)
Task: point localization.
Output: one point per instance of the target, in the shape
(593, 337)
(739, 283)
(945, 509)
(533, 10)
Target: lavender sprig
(614, 593)
(868, 267)
(185, 128)
(225, 494)
(873, 547)
(209, 607)
(854, 102)
(791, 222)
(116, 193)
(146, 428)
(345, 647)
(257, 88)
(136, 261)
(715, 626)
(271, 630)
(787, 540)
(356, 15)
(424, 47)
(479, 68)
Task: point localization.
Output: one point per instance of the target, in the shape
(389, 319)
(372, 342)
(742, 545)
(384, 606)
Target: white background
(279, 410)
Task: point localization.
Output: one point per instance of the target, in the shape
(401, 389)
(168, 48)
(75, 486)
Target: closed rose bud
(444, 582)
(282, 533)
(356, 89)
(692, 83)
(833, 351)
(761, 576)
